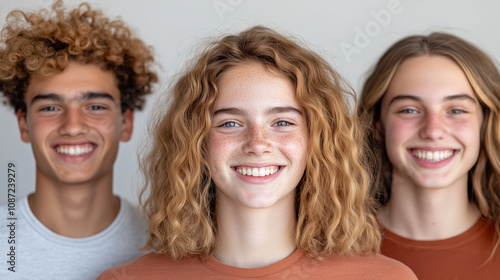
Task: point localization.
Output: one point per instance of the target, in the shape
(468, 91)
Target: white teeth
(432, 156)
(262, 172)
(74, 150)
(257, 172)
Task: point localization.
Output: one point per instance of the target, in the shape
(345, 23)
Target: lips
(432, 156)
(74, 150)
(257, 171)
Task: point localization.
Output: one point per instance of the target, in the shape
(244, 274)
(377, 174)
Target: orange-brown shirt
(296, 266)
(461, 257)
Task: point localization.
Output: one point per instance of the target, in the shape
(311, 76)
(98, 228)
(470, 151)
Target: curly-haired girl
(255, 171)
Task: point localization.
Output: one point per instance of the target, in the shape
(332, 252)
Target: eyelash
(457, 111)
(279, 123)
(407, 111)
(287, 123)
(226, 124)
(49, 108)
(100, 107)
(451, 111)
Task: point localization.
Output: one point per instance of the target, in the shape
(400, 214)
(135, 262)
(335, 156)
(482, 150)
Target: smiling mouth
(74, 150)
(432, 156)
(257, 172)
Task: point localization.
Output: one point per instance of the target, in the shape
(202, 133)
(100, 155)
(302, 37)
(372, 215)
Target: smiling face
(257, 145)
(74, 124)
(431, 122)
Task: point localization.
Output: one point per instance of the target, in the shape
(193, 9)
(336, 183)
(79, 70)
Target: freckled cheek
(219, 146)
(214, 144)
(295, 144)
(219, 149)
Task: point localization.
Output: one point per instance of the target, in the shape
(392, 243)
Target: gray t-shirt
(29, 250)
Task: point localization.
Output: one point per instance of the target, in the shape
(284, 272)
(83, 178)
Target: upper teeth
(74, 150)
(432, 156)
(257, 172)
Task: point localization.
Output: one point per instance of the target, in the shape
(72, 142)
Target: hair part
(334, 211)
(45, 42)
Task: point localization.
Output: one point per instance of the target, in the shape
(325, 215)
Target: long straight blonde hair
(483, 75)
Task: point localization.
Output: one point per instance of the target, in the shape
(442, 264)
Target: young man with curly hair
(74, 79)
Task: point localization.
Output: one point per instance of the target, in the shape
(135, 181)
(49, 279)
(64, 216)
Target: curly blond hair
(45, 42)
(334, 212)
(483, 75)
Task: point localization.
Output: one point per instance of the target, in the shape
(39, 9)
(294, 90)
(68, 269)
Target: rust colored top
(460, 257)
(295, 266)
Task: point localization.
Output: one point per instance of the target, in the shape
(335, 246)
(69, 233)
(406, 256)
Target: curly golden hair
(334, 210)
(44, 43)
(484, 77)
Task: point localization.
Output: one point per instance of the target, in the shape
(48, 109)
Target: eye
(282, 123)
(97, 107)
(409, 111)
(456, 111)
(230, 124)
(49, 108)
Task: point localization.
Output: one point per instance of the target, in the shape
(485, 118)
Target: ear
(127, 125)
(379, 131)
(23, 126)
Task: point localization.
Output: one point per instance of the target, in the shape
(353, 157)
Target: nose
(73, 123)
(433, 126)
(258, 141)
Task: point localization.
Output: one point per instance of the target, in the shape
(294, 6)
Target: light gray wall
(349, 34)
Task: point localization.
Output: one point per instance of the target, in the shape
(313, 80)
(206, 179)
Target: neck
(251, 238)
(428, 214)
(74, 210)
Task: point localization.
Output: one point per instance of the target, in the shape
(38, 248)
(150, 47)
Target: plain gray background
(349, 34)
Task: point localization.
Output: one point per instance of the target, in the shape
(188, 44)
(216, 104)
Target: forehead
(252, 84)
(429, 77)
(73, 81)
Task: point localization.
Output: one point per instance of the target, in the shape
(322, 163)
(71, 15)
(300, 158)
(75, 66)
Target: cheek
(396, 132)
(218, 149)
(295, 146)
(469, 134)
(39, 130)
(108, 126)
(215, 145)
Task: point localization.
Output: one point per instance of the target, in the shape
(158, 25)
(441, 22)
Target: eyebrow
(460, 97)
(89, 95)
(273, 110)
(50, 96)
(447, 98)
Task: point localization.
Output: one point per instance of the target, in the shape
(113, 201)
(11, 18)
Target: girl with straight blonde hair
(434, 104)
